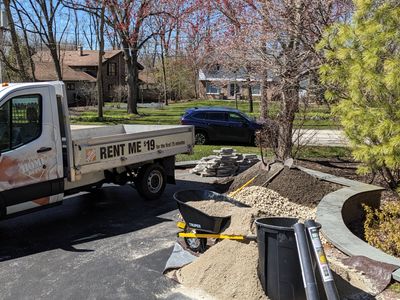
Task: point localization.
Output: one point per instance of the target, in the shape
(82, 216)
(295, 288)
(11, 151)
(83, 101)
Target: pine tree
(362, 76)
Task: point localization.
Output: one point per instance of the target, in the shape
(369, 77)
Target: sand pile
(271, 203)
(242, 218)
(227, 270)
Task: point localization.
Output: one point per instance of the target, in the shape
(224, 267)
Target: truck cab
(42, 158)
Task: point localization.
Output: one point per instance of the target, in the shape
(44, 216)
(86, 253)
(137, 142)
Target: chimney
(81, 50)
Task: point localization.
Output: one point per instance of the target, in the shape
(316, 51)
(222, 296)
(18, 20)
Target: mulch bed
(347, 169)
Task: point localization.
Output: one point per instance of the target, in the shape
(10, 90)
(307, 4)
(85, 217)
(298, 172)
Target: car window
(216, 116)
(200, 115)
(233, 117)
(20, 121)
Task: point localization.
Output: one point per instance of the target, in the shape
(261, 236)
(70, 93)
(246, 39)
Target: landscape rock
(226, 162)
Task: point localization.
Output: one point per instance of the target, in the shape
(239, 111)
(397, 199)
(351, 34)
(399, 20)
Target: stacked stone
(225, 163)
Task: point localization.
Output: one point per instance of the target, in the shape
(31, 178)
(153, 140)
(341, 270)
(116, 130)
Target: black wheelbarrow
(199, 226)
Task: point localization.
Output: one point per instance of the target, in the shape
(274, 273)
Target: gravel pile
(225, 162)
(227, 270)
(271, 203)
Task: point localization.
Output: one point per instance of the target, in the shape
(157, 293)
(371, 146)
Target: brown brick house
(79, 71)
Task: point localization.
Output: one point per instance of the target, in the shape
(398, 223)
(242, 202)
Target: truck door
(30, 172)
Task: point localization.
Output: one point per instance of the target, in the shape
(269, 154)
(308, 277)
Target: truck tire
(151, 181)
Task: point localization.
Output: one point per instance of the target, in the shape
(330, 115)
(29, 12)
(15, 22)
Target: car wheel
(151, 181)
(201, 138)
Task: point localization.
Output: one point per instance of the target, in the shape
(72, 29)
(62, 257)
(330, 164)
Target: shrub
(382, 227)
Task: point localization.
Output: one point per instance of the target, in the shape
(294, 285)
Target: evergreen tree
(362, 76)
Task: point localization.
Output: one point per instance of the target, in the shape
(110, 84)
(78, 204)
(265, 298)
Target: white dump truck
(43, 158)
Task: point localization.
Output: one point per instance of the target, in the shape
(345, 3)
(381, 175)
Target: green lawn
(304, 153)
(316, 117)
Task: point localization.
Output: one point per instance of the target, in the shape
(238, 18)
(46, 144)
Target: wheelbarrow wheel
(196, 244)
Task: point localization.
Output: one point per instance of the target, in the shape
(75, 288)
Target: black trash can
(279, 266)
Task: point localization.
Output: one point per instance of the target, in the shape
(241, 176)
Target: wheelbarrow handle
(216, 236)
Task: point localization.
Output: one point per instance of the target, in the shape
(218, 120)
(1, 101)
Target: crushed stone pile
(291, 183)
(226, 162)
(227, 270)
(272, 203)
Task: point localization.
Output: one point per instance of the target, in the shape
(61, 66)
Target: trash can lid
(277, 223)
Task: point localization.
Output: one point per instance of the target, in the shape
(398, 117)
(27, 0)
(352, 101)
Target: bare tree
(21, 67)
(280, 42)
(41, 16)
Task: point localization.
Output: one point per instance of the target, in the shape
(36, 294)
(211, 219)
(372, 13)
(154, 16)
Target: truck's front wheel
(151, 181)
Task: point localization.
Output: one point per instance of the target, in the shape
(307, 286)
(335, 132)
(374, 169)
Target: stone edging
(343, 206)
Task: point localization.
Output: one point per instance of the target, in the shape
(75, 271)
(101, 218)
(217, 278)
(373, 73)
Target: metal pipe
(322, 262)
(307, 270)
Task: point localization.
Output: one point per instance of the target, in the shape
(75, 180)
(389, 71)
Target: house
(217, 82)
(79, 72)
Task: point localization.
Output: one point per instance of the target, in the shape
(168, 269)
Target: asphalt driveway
(105, 245)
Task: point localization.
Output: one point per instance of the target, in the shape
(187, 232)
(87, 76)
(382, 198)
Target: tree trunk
(250, 92)
(290, 101)
(285, 143)
(264, 100)
(196, 83)
(15, 42)
(56, 60)
(132, 77)
(99, 80)
(164, 75)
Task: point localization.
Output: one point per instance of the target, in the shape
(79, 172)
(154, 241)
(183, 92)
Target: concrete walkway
(323, 137)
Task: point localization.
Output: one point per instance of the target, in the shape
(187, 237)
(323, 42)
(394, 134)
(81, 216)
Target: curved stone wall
(343, 206)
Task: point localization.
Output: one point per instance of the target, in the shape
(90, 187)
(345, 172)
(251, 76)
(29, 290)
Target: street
(110, 244)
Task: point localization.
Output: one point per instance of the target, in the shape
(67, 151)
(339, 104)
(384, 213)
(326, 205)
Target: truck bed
(98, 148)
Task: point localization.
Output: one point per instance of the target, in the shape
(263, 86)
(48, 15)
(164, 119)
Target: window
(200, 115)
(235, 118)
(71, 86)
(216, 68)
(20, 121)
(216, 116)
(111, 69)
(212, 89)
(256, 90)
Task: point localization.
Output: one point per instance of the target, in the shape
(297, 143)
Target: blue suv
(220, 124)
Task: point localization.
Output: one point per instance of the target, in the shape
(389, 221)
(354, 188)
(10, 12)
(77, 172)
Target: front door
(30, 172)
(233, 89)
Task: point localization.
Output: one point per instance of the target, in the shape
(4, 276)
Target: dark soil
(293, 184)
(257, 170)
(301, 187)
